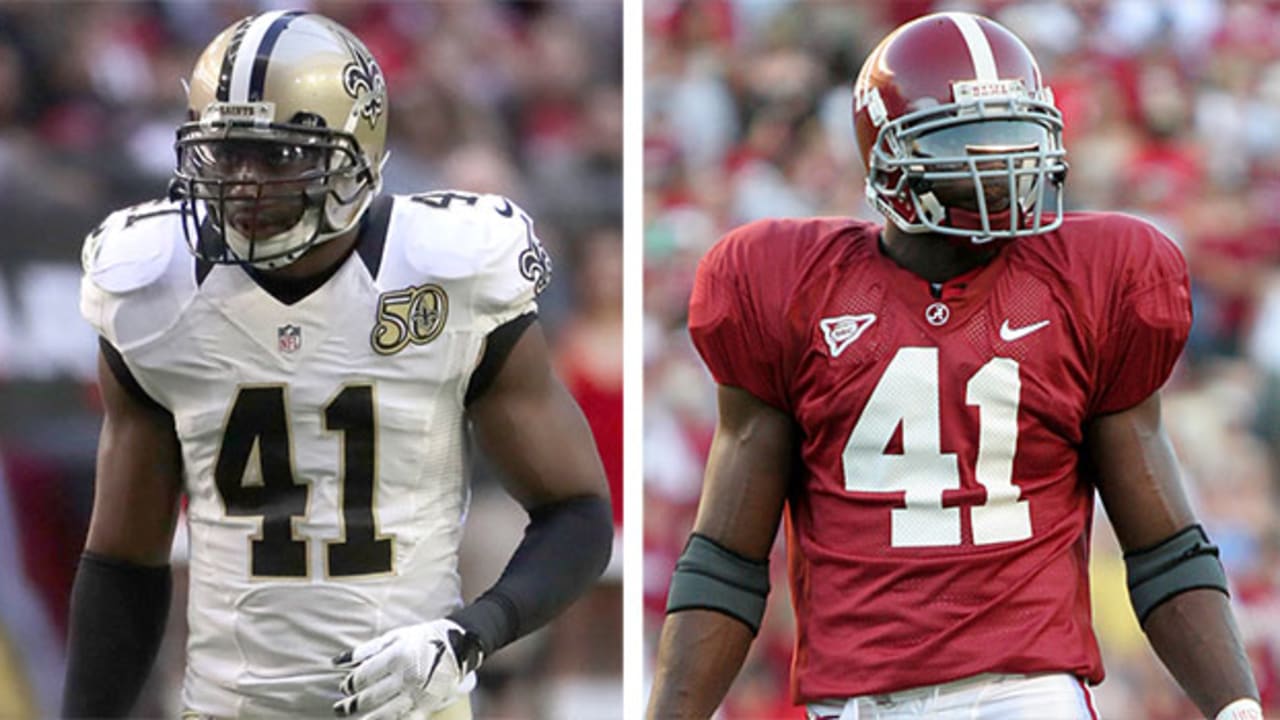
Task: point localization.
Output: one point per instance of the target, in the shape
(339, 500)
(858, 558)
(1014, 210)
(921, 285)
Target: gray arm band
(709, 576)
(1184, 561)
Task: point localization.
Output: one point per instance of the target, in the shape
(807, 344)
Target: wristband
(1242, 709)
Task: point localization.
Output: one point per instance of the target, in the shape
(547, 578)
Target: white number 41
(908, 394)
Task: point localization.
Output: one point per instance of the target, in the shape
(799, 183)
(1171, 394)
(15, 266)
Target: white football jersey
(322, 441)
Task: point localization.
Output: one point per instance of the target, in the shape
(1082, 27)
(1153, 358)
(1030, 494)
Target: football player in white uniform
(306, 376)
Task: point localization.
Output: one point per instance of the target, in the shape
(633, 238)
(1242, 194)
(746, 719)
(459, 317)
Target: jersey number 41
(907, 394)
(258, 431)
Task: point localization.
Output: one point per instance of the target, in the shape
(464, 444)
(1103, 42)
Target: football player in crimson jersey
(931, 406)
(307, 376)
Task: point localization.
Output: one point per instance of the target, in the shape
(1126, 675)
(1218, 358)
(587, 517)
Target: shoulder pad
(132, 247)
(460, 231)
(481, 246)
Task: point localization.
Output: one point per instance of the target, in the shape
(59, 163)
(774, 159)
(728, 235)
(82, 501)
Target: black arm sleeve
(565, 548)
(118, 613)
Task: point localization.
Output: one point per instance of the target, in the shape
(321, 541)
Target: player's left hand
(421, 667)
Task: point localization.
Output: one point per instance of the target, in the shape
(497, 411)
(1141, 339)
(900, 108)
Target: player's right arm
(701, 650)
(721, 581)
(121, 595)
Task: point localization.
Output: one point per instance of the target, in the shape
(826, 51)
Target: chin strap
(960, 219)
(967, 220)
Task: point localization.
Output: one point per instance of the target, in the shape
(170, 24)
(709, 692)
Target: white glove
(414, 668)
(1242, 709)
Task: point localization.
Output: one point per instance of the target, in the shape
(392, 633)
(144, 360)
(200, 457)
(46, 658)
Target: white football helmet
(285, 139)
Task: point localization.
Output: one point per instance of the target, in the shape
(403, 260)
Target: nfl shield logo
(290, 337)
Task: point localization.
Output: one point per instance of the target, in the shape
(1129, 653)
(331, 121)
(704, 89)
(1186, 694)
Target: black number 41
(259, 422)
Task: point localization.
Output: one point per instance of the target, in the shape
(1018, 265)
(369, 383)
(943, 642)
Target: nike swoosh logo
(1009, 334)
(439, 646)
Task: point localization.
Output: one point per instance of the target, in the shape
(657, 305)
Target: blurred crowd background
(1172, 112)
(522, 99)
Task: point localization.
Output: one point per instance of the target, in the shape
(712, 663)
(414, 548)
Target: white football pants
(982, 697)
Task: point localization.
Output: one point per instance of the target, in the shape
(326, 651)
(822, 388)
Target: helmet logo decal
(535, 263)
(363, 81)
(416, 314)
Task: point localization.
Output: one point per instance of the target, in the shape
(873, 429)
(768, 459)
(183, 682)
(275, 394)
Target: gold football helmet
(285, 139)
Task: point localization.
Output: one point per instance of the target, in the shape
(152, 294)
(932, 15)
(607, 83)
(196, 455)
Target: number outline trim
(340, 496)
(256, 451)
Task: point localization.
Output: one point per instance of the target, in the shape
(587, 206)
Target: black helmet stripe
(258, 77)
(229, 60)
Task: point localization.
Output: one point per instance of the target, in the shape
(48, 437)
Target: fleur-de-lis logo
(363, 81)
(535, 263)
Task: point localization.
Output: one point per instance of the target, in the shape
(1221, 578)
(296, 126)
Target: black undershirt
(290, 290)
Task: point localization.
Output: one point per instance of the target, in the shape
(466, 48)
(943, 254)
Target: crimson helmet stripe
(984, 61)
(258, 77)
(247, 57)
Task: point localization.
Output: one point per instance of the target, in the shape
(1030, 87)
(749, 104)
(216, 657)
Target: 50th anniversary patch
(415, 315)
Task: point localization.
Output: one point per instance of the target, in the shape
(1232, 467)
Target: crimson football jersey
(939, 526)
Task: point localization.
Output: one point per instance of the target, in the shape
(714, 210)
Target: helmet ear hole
(304, 118)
